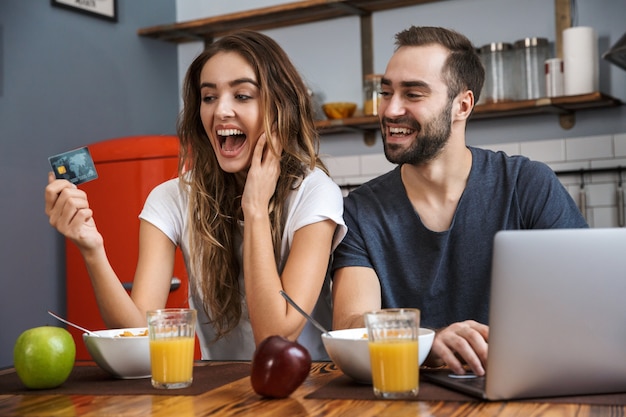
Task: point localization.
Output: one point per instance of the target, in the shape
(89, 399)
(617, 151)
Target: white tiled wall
(590, 152)
(349, 171)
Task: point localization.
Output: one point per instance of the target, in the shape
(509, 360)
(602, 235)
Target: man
(422, 235)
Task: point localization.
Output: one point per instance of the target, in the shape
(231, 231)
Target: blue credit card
(75, 166)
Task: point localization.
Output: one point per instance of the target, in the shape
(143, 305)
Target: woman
(252, 209)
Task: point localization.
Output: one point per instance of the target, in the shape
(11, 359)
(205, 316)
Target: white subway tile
(545, 150)
(601, 194)
(375, 164)
(620, 144)
(342, 166)
(589, 147)
(604, 217)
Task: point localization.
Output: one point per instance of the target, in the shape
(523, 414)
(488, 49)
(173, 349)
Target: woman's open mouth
(231, 140)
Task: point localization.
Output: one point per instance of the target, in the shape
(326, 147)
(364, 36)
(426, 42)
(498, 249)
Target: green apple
(44, 356)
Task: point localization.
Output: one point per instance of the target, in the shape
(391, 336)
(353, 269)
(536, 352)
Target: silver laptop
(557, 316)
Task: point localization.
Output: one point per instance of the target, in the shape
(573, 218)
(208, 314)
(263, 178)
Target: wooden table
(238, 398)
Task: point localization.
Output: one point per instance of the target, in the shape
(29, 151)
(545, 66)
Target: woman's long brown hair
(214, 195)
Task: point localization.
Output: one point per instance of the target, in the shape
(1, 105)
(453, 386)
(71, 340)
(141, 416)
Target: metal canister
(499, 62)
(371, 94)
(530, 56)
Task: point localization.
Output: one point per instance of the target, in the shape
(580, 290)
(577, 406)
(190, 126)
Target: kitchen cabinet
(289, 14)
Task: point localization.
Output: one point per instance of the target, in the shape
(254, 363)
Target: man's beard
(430, 139)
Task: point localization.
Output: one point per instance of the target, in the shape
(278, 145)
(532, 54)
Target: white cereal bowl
(349, 351)
(125, 357)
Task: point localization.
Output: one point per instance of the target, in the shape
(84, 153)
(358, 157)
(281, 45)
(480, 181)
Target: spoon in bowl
(301, 311)
(73, 325)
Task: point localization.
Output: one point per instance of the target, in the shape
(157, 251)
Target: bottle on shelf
(530, 56)
(371, 94)
(499, 62)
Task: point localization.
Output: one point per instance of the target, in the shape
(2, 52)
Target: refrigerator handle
(174, 284)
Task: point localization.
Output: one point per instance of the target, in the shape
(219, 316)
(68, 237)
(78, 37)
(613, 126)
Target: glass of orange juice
(393, 346)
(172, 337)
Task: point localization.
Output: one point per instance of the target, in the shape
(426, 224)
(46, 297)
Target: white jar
(554, 77)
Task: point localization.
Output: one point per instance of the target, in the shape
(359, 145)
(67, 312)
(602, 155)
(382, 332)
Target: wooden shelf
(555, 105)
(565, 105)
(272, 17)
(352, 124)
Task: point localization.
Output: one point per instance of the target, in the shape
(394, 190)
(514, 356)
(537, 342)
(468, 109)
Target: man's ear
(465, 105)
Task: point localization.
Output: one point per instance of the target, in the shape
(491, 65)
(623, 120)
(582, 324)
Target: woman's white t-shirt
(318, 198)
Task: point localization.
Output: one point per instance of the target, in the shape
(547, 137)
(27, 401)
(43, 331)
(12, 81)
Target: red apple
(279, 366)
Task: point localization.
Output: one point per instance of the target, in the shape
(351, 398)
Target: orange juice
(172, 359)
(394, 365)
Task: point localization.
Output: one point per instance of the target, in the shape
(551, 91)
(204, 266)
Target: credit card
(75, 166)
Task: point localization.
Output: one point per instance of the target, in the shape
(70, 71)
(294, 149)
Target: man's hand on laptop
(460, 346)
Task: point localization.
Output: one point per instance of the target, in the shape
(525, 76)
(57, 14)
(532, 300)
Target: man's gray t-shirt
(447, 274)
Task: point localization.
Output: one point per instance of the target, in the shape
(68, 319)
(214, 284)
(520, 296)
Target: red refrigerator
(128, 168)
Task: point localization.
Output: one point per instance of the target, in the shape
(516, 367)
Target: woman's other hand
(262, 177)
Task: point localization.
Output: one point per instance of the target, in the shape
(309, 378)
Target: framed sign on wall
(103, 9)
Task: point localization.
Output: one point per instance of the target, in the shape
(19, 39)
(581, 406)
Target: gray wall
(66, 80)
